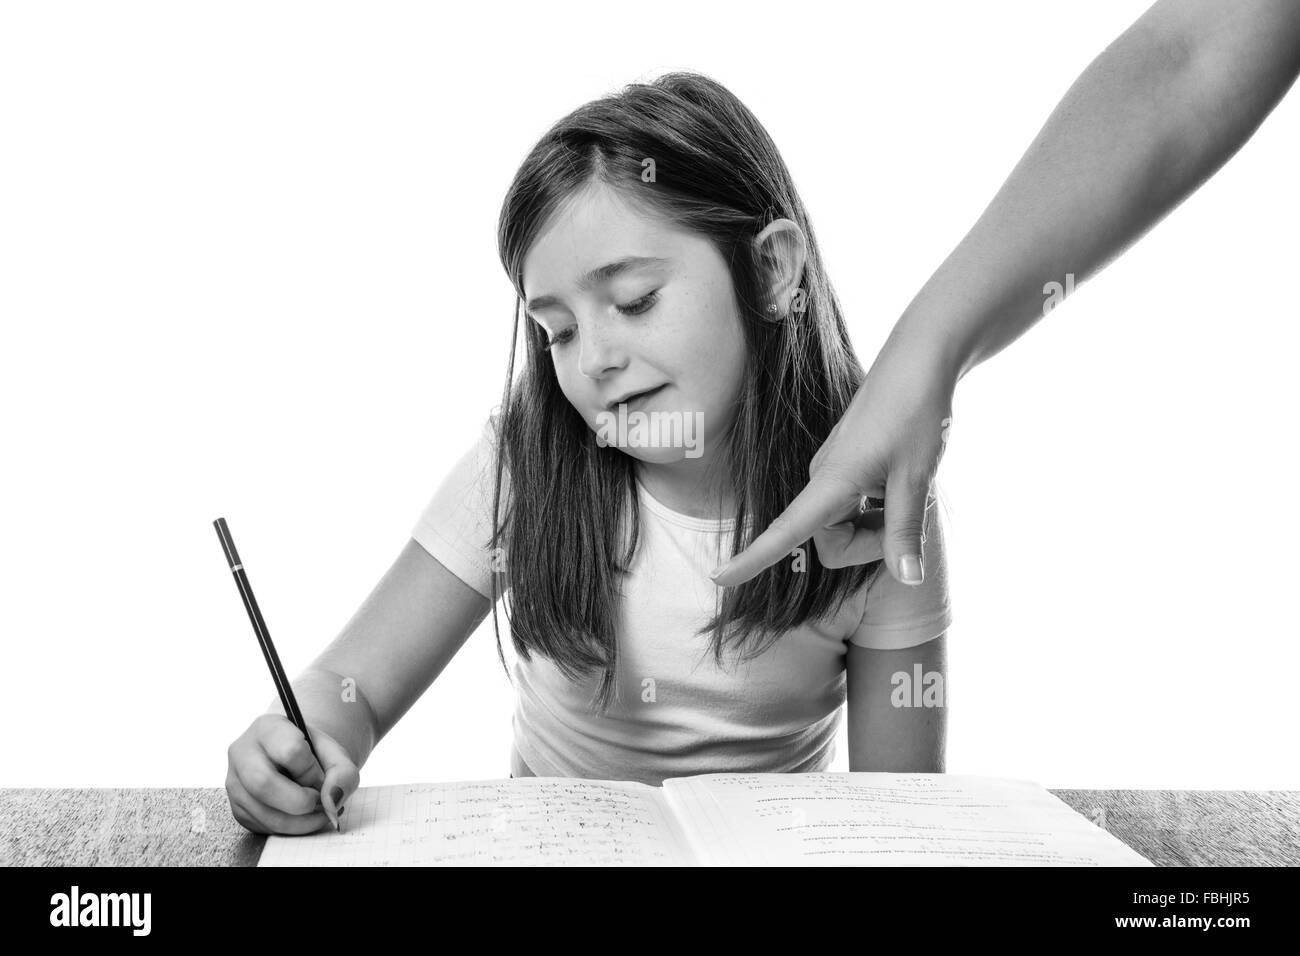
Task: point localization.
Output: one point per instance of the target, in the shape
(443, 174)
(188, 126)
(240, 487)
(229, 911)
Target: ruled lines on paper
(827, 819)
(528, 822)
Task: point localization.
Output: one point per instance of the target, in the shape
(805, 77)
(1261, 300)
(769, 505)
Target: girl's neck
(689, 487)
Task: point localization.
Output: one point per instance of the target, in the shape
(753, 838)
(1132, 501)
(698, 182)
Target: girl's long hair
(565, 538)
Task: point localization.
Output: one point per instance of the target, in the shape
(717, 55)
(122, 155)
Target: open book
(721, 819)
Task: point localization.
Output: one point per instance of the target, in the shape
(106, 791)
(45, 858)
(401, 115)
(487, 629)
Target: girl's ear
(782, 252)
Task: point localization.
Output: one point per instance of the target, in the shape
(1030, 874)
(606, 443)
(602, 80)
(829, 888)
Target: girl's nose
(600, 354)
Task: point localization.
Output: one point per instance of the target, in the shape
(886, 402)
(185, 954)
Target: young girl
(684, 358)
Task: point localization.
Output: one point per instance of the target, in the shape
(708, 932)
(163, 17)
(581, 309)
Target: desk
(194, 827)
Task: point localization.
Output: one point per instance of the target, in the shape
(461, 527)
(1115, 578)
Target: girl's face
(630, 303)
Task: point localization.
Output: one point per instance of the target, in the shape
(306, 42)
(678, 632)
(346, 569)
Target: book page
(885, 819)
(530, 821)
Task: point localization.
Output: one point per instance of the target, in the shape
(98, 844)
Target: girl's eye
(558, 340)
(643, 304)
(639, 307)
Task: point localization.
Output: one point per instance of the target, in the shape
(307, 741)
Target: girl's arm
(416, 619)
(898, 718)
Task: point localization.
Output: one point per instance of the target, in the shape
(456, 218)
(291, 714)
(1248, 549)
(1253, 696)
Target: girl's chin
(654, 441)
(651, 455)
(656, 456)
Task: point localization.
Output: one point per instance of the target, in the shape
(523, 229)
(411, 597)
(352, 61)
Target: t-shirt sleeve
(456, 525)
(897, 615)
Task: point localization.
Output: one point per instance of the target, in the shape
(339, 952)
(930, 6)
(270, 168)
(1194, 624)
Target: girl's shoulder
(456, 524)
(898, 615)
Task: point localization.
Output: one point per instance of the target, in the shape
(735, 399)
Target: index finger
(825, 500)
(288, 749)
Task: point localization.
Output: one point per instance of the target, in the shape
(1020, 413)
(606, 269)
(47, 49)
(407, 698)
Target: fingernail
(719, 571)
(336, 795)
(341, 810)
(910, 565)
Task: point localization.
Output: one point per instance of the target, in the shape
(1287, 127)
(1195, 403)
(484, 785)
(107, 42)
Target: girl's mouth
(639, 397)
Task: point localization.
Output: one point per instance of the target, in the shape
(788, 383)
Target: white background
(248, 269)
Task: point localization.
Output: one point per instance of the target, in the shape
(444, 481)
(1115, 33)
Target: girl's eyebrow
(598, 275)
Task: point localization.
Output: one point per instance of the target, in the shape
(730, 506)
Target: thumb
(341, 781)
(342, 778)
(905, 499)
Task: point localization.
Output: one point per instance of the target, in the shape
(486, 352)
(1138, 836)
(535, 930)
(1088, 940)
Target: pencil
(264, 639)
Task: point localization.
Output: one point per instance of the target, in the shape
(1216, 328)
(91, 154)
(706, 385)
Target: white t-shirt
(678, 714)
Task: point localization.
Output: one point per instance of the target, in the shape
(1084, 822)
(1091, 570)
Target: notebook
(722, 819)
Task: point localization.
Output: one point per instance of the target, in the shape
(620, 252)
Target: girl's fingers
(287, 748)
(255, 815)
(343, 779)
(264, 782)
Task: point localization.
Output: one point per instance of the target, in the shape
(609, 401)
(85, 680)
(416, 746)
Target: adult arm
(1155, 115)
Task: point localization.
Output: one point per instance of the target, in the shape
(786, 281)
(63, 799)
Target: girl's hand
(274, 784)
